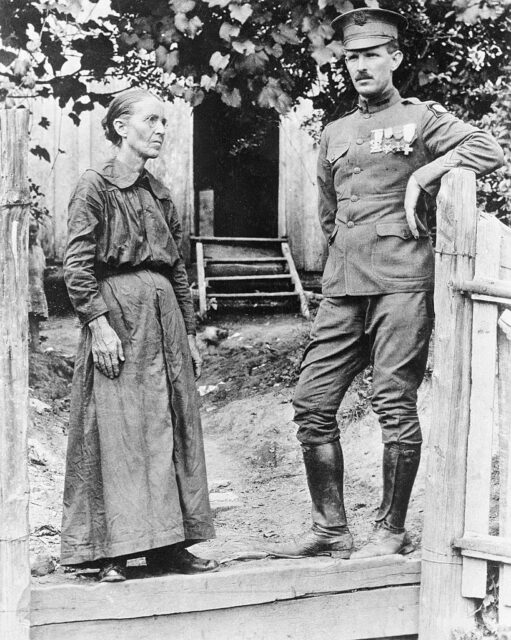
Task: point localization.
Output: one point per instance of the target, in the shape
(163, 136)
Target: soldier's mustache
(363, 76)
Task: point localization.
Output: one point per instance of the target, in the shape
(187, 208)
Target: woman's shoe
(182, 561)
(176, 559)
(112, 571)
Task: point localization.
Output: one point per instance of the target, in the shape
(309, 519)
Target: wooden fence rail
(14, 198)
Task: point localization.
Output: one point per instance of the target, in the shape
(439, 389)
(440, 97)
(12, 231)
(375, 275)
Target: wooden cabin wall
(298, 217)
(85, 146)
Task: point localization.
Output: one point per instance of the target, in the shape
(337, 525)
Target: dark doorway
(236, 155)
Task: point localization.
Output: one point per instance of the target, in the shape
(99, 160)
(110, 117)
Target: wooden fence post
(14, 489)
(442, 606)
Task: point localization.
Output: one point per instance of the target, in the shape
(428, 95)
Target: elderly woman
(135, 478)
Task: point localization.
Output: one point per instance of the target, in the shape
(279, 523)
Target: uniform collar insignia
(387, 99)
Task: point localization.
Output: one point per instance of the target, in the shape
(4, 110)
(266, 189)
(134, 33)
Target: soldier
(378, 166)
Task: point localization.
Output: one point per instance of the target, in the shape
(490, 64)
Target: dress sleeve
(327, 195)
(179, 277)
(85, 214)
(454, 143)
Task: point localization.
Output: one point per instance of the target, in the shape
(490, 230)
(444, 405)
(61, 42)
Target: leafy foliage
(253, 55)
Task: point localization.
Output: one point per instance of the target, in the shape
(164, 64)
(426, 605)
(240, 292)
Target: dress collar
(123, 177)
(383, 101)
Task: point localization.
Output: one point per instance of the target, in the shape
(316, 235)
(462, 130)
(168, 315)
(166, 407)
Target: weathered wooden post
(442, 606)
(14, 490)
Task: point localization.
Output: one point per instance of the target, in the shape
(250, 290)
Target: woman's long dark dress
(135, 475)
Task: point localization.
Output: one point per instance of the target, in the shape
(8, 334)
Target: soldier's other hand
(412, 194)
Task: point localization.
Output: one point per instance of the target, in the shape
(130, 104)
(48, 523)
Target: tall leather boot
(400, 464)
(324, 468)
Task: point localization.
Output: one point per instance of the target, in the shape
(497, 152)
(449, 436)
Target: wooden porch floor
(308, 599)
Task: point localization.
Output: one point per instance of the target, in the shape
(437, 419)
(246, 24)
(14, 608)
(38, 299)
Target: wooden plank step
(216, 240)
(253, 583)
(261, 294)
(245, 260)
(274, 276)
(393, 614)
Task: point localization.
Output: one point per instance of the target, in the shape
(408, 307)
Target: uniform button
(357, 170)
(354, 198)
(350, 224)
(367, 115)
(360, 140)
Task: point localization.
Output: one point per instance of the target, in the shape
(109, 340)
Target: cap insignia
(360, 18)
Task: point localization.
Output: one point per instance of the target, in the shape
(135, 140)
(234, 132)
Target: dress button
(354, 198)
(357, 170)
(350, 224)
(360, 141)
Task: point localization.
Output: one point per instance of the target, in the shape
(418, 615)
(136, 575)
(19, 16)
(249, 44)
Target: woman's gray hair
(121, 106)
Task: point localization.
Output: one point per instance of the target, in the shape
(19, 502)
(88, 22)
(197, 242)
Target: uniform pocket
(337, 151)
(398, 256)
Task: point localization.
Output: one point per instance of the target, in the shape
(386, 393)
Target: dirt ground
(254, 462)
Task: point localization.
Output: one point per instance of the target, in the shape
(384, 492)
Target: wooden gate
(471, 416)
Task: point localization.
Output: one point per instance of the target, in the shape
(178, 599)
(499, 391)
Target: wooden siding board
(298, 198)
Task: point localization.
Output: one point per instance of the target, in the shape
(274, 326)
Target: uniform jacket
(365, 160)
(120, 221)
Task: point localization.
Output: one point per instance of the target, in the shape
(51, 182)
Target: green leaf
(241, 13)
(7, 57)
(218, 61)
(232, 98)
(246, 47)
(41, 153)
(182, 6)
(217, 3)
(228, 31)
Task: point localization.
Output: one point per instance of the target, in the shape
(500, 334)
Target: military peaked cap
(365, 28)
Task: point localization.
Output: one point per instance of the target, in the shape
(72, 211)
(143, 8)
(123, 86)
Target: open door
(236, 170)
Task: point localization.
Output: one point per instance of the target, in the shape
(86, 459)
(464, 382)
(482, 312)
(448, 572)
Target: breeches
(389, 331)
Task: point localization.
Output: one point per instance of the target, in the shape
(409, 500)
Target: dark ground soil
(251, 449)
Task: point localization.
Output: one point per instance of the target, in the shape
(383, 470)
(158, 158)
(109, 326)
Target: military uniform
(365, 161)
(378, 280)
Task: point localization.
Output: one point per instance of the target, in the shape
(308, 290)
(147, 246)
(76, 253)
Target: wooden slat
(304, 305)
(248, 584)
(252, 294)
(246, 260)
(233, 240)
(442, 605)
(504, 424)
(480, 437)
(493, 299)
(498, 547)
(378, 613)
(14, 486)
(203, 309)
(485, 285)
(275, 276)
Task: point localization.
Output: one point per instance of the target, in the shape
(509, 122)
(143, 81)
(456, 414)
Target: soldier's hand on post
(412, 194)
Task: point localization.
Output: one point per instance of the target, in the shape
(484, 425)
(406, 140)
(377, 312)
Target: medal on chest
(393, 139)
(376, 140)
(408, 137)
